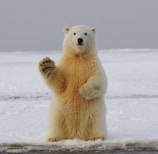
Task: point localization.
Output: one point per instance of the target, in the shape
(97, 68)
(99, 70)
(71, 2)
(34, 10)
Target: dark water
(93, 152)
(122, 152)
(104, 152)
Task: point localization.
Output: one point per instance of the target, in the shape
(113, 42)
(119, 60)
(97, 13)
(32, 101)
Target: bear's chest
(78, 70)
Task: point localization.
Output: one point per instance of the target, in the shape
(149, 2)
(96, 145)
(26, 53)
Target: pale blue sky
(38, 24)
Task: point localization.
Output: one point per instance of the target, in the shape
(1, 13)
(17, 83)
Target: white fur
(79, 31)
(79, 84)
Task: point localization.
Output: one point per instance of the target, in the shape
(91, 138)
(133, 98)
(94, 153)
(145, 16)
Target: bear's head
(80, 39)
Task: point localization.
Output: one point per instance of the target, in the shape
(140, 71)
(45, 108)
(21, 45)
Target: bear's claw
(51, 139)
(98, 138)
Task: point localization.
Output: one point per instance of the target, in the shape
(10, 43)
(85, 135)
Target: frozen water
(132, 97)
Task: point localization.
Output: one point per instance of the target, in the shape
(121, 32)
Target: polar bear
(78, 83)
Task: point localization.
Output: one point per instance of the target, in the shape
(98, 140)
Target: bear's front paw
(88, 92)
(46, 65)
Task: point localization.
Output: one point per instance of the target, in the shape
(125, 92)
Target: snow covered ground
(132, 98)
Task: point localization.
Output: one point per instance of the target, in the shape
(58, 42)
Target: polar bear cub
(78, 83)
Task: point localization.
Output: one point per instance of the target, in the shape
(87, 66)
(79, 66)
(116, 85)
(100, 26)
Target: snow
(132, 108)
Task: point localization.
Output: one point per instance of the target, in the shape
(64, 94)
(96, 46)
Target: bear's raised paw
(46, 64)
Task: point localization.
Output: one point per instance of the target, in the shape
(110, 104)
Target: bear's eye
(74, 33)
(85, 33)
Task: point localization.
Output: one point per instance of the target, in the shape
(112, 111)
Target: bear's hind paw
(53, 139)
(98, 138)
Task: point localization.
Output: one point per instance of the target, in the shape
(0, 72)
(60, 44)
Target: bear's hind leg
(94, 134)
(56, 126)
(56, 132)
(93, 127)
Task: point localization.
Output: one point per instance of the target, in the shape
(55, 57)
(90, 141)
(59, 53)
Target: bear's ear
(93, 29)
(66, 29)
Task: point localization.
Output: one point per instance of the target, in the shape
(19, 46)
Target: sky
(37, 25)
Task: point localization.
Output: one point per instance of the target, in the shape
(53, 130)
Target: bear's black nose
(80, 41)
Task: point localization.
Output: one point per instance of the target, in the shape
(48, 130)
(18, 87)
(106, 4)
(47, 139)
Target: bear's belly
(71, 93)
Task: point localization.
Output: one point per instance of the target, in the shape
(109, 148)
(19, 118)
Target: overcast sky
(38, 24)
